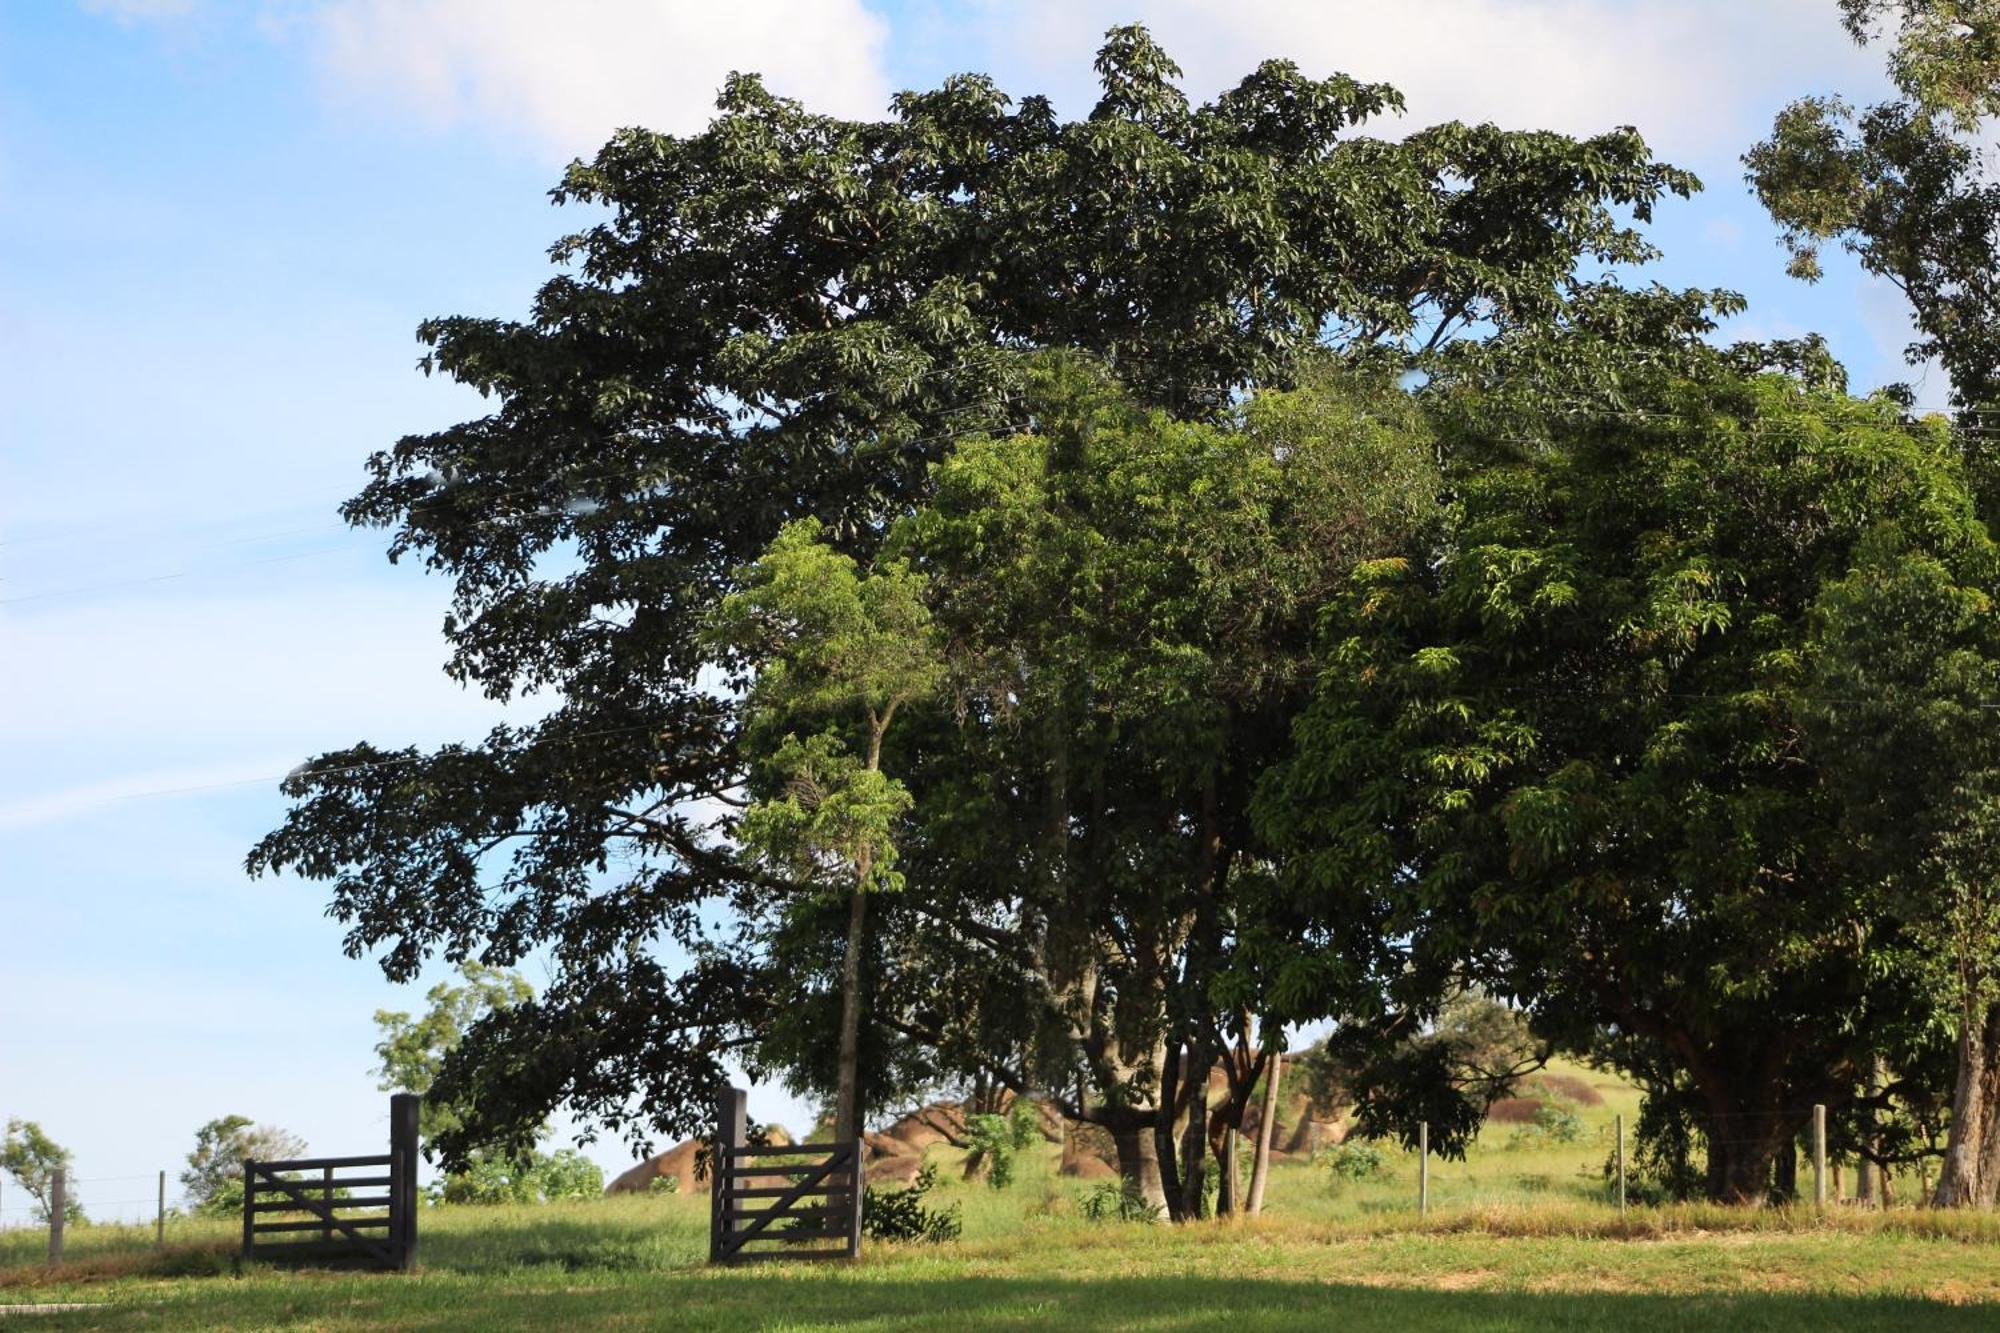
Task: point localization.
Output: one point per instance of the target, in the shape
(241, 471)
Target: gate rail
(755, 1197)
(288, 1214)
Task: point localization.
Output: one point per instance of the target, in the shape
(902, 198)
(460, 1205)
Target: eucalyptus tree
(1571, 756)
(790, 315)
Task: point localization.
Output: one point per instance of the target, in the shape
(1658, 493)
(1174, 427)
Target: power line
(341, 770)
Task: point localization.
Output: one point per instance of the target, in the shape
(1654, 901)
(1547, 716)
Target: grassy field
(1519, 1238)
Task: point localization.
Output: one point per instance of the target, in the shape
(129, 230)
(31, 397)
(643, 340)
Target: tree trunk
(1167, 1159)
(1989, 1129)
(1195, 1157)
(1260, 1165)
(1139, 1163)
(847, 1101)
(1194, 1145)
(1865, 1169)
(1785, 1176)
(1748, 1152)
(1958, 1174)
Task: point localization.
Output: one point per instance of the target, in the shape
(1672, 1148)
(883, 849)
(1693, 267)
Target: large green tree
(1907, 186)
(1128, 600)
(790, 315)
(1571, 756)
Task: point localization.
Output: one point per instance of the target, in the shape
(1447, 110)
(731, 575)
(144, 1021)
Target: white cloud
(566, 75)
(1700, 78)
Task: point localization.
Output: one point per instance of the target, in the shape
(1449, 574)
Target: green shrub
(1117, 1201)
(664, 1185)
(1554, 1121)
(543, 1178)
(901, 1215)
(1350, 1161)
(994, 1140)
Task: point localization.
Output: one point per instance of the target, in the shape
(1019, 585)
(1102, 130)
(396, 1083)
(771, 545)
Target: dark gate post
(731, 1113)
(249, 1210)
(403, 1146)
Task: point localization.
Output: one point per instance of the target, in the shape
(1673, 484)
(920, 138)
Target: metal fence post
(160, 1216)
(58, 1214)
(403, 1147)
(1423, 1167)
(1819, 1157)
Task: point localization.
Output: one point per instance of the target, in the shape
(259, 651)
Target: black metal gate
(768, 1194)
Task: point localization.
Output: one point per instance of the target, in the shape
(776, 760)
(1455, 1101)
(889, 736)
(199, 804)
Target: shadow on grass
(858, 1299)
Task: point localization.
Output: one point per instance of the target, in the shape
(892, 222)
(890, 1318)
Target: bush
(901, 1215)
(664, 1185)
(1350, 1161)
(995, 1139)
(1117, 1201)
(1555, 1120)
(543, 1178)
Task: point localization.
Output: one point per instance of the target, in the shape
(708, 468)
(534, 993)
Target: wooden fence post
(1225, 1193)
(1819, 1157)
(1423, 1167)
(860, 1193)
(1618, 1123)
(732, 1108)
(160, 1216)
(249, 1210)
(403, 1147)
(58, 1214)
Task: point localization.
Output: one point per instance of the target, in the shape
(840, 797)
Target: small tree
(837, 649)
(33, 1158)
(213, 1179)
(413, 1049)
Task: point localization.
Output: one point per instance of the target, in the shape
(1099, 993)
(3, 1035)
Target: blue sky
(219, 226)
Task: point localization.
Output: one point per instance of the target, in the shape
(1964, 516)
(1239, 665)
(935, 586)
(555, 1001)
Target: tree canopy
(793, 316)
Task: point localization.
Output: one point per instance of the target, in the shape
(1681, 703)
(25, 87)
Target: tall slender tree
(834, 651)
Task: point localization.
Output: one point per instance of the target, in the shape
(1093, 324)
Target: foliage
(900, 1215)
(32, 1158)
(1129, 599)
(1554, 1120)
(213, 1177)
(995, 1139)
(1584, 720)
(664, 1185)
(788, 316)
(413, 1049)
(830, 648)
(1475, 1052)
(542, 1178)
(1117, 1201)
(1902, 185)
(1351, 1160)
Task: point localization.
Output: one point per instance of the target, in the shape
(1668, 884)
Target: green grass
(1494, 1254)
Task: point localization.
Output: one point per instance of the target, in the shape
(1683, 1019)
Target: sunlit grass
(1493, 1252)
